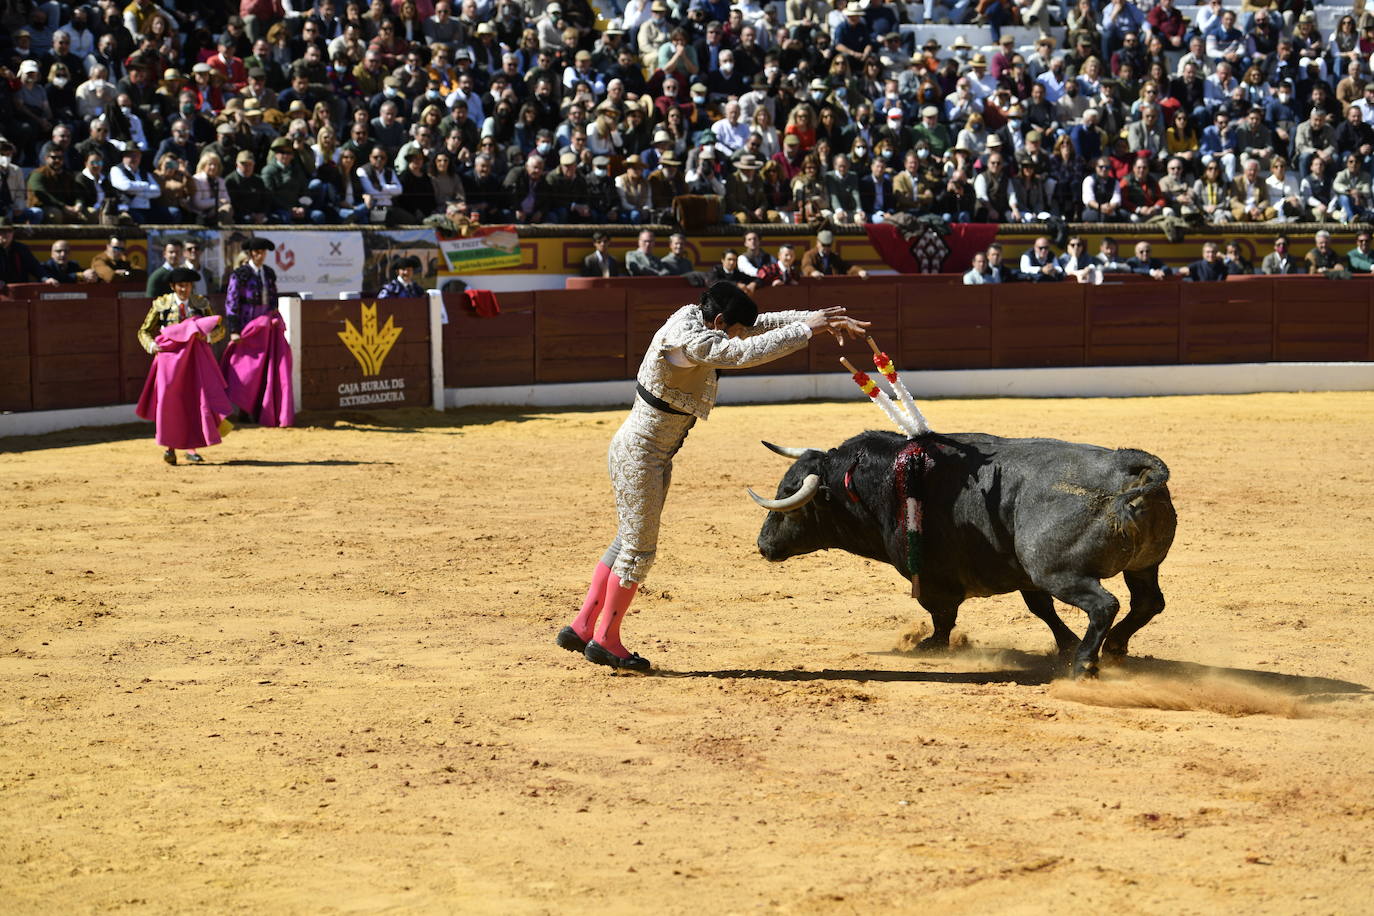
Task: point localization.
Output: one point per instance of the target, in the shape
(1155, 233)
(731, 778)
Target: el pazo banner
(322, 264)
(488, 248)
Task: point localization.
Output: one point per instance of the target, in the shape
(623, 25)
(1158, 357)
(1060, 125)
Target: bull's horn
(804, 495)
(784, 451)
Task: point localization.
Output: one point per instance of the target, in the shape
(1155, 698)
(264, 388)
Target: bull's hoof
(932, 644)
(1084, 672)
(1115, 652)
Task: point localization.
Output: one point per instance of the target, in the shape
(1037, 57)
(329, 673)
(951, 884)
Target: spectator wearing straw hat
(654, 34)
(746, 198)
(853, 38)
(668, 180)
(635, 192)
(287, 187)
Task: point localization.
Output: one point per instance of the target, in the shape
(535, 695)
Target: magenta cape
(257, 369)
(185, 393)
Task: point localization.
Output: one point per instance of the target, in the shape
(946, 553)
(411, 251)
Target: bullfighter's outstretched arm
(767, 321)
(708, 347)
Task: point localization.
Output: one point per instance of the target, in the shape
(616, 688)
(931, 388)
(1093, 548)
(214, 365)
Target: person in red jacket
(257, 15)
(229, 65)
(1140, 194)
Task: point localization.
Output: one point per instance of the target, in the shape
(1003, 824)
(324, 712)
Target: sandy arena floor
(318, 676)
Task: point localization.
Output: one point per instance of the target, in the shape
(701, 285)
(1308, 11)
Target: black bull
(1049, 519)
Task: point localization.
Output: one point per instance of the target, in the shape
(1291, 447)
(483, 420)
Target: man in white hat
(549, 27)
(746, 199)
(663, 143)
(980, 80)
(582, 71)
(853, 38)
(895, 130)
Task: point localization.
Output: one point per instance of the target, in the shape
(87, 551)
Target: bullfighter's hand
(841, 325)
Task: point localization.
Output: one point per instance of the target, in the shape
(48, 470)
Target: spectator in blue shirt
(1211, 269)
(853, 39)
(1219, 142)
(1087, 137)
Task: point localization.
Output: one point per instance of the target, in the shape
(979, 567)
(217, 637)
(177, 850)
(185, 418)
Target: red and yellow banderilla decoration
(906, 415)
(912, 462)
(883, 364)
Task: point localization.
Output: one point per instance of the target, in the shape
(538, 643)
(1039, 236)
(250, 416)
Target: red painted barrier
(82, 352)
(481, 352)
(74, 350)
(16, 371)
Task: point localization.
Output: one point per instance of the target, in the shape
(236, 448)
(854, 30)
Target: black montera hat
(412, 262)
(258, 243)
(183, 275)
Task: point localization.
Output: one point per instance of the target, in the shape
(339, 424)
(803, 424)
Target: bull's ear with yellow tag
(225, 427)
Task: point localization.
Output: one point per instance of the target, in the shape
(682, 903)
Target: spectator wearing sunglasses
(112, 265)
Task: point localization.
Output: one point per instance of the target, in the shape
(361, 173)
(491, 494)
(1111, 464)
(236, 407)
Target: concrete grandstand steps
(980, 36)
(1328, 14)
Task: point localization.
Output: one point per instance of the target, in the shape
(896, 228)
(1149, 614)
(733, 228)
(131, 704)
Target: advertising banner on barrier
(487, 248)
(321, 264)
(367, 354)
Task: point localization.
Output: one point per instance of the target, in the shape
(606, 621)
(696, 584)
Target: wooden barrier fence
(599, 330)
(67, 347)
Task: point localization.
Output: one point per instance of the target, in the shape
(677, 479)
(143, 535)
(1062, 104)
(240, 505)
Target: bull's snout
(769, 550)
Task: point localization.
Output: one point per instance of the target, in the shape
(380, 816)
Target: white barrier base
(37, 422)
(1080, 382)
(1076, 382)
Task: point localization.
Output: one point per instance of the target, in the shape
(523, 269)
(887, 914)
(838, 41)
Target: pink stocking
(585, 622)
(618, 598)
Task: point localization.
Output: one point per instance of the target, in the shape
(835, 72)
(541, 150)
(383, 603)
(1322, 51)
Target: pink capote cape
(185, 393)
(257, 369)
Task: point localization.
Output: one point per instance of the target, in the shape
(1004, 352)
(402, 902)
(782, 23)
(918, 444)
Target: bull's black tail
(1147, 474)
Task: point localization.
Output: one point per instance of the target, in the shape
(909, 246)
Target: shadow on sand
(400, 420)
(266, 463)
(1013, 666)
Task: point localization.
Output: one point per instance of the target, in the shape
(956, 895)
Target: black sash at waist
(658, 403)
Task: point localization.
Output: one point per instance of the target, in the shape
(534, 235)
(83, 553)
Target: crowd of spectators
(750, 267)
(392, 111)
(1039, 263)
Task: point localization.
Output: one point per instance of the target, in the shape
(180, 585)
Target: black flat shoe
(169, 456)
(603, 656)
(195, 458)
(568, 639)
